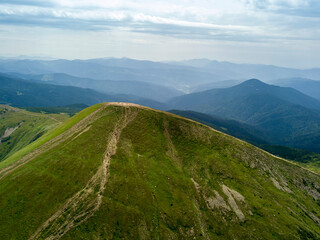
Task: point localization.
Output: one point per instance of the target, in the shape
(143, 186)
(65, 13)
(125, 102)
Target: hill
(19, 128)
(287, 116)
(24, 93)
(125, 171)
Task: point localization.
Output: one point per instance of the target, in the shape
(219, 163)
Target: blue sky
(279, 32)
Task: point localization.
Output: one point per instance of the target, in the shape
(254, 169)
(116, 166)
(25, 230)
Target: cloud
(278, 23)
(137, 22)
(43, 3)
(304, 8)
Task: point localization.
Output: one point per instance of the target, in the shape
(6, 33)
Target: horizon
(47, 58)
(270, 32)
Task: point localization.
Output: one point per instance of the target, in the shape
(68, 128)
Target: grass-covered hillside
(18, 128)
(124, 171)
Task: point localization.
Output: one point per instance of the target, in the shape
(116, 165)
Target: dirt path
(77, 128)
(87, 201)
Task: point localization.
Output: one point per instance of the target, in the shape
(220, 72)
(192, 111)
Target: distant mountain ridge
(183, 75)
(139, 89)
(250, 87)
(246, 71)
(25, 93)
(307, 86)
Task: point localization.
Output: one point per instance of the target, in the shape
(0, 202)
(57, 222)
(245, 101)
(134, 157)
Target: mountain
(307, 86)
(213, 100)
(287, 116)
(218, 84)
(19, 128)
(140, 89)
(245, 71)
(185, 76)
(125, 171)
(23, 93)
(178, 77)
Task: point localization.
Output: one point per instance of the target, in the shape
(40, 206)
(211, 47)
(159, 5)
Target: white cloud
(259, 23)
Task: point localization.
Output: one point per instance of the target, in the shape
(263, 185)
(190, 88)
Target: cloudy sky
(278, 32)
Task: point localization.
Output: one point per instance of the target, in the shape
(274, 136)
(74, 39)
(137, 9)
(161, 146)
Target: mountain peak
(253, 82)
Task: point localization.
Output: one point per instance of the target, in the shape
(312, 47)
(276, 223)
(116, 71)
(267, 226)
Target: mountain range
(281, 115)
(26, 93)
(183, 76)
(140, 89)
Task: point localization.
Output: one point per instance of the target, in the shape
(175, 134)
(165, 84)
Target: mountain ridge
(269, 108)
(140, 173)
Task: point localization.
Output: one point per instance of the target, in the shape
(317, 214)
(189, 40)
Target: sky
(277, 32)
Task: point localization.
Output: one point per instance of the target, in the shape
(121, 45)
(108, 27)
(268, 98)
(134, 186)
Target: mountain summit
(120, 170)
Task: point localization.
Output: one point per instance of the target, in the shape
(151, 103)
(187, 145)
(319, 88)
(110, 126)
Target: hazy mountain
(180, 75)
(245, 71)
(280, 112)
(140, 89)
(125, 171)
(218, 84)
(214, 100)
(304, 85)
(23, 93)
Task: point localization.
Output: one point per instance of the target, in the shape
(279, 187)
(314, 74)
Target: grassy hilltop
(124, 171)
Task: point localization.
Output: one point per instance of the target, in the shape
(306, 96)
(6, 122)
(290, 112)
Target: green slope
(124, 171)
(19, 128)
(234, 128)
(248, 133)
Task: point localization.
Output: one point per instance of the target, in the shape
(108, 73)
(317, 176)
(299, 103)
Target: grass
(150, 193)
(50, 135)
(30, 127)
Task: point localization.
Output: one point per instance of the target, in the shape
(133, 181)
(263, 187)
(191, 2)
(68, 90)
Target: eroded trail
(87, 201)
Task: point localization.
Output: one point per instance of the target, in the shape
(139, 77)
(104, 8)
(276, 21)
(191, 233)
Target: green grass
(50, 135)
(149, 193)
(31, 127)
